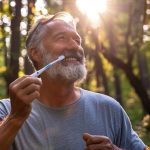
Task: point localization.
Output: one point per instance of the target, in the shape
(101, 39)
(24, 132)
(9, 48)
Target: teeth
(71, 59)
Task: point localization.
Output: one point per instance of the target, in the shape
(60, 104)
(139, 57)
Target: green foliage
(112, 33)
(2, 81)
(133, 107)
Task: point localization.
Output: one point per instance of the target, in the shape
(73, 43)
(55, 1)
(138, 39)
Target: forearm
(9, 127)
(22, 92)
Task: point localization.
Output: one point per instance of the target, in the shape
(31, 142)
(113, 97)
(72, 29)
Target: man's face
(62, 39)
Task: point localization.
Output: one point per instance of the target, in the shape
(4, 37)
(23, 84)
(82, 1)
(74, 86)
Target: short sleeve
(127, 137)
(5, 108)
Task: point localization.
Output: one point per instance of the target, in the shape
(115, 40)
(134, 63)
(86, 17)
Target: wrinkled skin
(22, 92)
(97, 142)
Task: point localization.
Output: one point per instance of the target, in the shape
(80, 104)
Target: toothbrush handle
(35, 74)
(39, 72)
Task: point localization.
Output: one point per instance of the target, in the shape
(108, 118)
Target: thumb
(87, 137)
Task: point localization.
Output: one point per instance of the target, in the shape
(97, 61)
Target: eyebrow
(64, 32)
(59, 33)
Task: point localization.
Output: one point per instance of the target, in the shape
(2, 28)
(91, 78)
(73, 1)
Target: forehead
(57, 26)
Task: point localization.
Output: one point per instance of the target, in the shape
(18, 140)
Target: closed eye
(78, 40)
(61, 37)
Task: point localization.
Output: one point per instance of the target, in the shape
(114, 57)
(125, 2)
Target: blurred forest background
(116, 39)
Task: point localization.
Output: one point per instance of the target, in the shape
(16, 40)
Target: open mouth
(73, 59)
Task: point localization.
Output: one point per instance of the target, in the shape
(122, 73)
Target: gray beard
(69, 73)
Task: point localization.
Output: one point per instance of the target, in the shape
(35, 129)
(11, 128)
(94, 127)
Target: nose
(74, 45)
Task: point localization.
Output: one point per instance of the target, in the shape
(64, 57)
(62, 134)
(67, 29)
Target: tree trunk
(117, 85)
(143, 70)
(99, 65)
(28, 69)
(13, 68)
(133, 79)
(134, 33)
(100, 73)
(139, 89)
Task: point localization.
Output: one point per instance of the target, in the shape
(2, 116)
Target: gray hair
(36, 33)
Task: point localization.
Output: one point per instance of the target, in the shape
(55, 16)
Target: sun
(92, 8)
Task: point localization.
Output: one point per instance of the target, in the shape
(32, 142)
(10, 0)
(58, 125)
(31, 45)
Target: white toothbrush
(39, 72)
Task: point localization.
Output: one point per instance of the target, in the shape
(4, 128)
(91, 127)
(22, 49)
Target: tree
(27, 64)
(122, 42)
(133, 33)
(13, 61)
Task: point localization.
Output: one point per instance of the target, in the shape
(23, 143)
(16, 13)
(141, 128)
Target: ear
(35, 55)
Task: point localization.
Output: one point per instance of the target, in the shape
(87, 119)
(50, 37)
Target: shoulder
(5, 108)
(5, 102)
(100, 99)
(105, 108)
(103, 104)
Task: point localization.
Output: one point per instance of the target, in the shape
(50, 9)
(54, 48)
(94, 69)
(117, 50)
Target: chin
(71, 73)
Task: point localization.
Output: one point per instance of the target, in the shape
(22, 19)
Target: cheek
(56, 49)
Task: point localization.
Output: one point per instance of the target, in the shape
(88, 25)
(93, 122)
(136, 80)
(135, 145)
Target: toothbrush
(39, 72)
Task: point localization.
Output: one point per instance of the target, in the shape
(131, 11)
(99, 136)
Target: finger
(99, 147)
(95, 139)
(25, 95)
(95, 147)
(26, 81)
(17, 81)
(27, 99)
(86, 136)
(29, 80)
(34, 95)
(31, 88)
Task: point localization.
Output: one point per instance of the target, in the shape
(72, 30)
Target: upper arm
(128, 137)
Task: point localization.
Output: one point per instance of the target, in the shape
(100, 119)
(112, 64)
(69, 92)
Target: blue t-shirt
(49, 128)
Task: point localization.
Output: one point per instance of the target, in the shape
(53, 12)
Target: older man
(51, 113)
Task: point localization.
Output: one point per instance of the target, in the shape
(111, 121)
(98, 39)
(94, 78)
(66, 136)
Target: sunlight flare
(92, 8)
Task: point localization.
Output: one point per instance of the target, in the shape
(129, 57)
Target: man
(51, 113)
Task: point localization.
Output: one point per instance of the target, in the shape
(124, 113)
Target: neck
(56, 93)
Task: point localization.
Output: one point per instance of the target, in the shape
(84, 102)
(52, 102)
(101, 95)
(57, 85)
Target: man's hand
(22, 92)
(97, 142)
